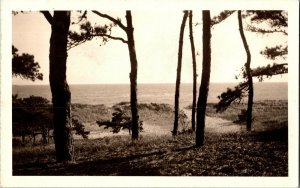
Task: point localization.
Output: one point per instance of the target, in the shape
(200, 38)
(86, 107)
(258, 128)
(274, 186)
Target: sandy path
(217, 125)
(213, 124)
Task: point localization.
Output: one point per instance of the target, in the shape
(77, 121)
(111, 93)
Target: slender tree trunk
(194, 107)
(133, 77)
(61, 95)
(204, 87)
(33, 138)
(178, 76)
(248, 72)
(44, 135)
(23, 139)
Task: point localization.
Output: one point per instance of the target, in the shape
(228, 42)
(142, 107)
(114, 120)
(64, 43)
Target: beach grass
(267, 114)
(262, 152)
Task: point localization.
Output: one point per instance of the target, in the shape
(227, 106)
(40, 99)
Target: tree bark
(133, 77)
(23, 138)
(204, 87)
(194, 107)
(248, 72)
(61, 95)
(178, 76)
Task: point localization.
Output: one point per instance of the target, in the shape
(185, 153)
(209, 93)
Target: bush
(120, 120)
(31, 116)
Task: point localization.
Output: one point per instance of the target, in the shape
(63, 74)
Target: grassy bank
(263, 152)
(267, 114)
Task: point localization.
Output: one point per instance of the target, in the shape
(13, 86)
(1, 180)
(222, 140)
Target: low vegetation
(267, 114)
(262, 152)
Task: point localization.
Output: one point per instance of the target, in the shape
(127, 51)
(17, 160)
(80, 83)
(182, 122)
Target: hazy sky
(156, 36)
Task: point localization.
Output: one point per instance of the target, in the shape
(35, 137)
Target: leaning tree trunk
(194, 107)
(248, 72)
(178, 76)
(133, 77)
(61, 95)
(203, 92)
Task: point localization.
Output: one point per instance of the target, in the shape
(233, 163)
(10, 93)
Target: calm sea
(110, 94)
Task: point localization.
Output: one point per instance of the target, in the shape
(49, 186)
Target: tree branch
(77, 43)
(74, 44)
(118, 22)
(264, 31)
(48, 16)
(269, 71)
(221, 17)
(83, 16)
(111, 37)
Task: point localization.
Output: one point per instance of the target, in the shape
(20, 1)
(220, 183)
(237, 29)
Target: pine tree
(178, 75)
(24, 66)
(194, 107)
(277, 21)
(61, 95)
(88, 32)
(204, 87)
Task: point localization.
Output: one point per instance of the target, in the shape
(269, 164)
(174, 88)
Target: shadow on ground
(119, 166)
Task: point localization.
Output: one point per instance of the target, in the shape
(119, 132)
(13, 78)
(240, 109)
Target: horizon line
(140, 83)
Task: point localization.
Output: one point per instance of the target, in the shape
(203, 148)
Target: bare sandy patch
(213, 124)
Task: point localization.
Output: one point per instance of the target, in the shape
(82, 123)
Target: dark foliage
(277, 21)
(269, 71)
(231, 96)
(221, 17)
(87, 32)
(24, 66)
(31, 116)
(274, 52)
(79, 128)
(120, 120)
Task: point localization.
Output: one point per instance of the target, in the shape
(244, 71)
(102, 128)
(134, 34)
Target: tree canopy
(262, 22)
(24, 66)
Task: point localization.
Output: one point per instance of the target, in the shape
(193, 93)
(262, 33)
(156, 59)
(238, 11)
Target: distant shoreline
(79, 84)
(110, 94)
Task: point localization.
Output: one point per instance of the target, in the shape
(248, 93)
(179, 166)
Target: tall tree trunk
(33, 135)
(133, 77)
(61, 95)
(194, 107)
(178, 76)
(44, 135)
(204, 87)
(248, 72)
(23, 138)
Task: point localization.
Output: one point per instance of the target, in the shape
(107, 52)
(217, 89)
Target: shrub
(31, 116)
(119, 121)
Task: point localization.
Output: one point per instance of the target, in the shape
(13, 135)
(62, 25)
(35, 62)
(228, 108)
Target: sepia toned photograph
(150, 93)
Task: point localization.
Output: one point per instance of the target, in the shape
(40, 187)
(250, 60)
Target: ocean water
(110, 94)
